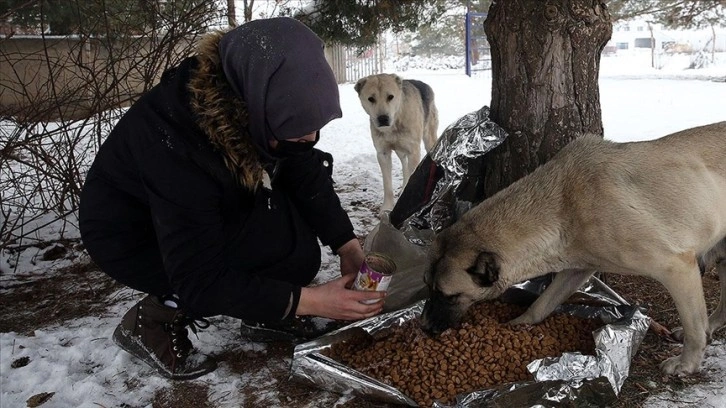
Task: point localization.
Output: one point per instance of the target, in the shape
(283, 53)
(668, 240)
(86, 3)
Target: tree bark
(713, 43)
(248, 5)
(231, 14)
(545, 64)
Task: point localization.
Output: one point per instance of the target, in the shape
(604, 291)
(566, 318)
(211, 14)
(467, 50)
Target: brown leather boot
(157, 334)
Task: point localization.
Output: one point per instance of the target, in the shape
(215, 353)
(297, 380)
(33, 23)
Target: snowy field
(80, 364)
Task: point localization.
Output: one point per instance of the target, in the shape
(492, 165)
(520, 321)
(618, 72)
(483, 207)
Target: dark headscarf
(277, 67)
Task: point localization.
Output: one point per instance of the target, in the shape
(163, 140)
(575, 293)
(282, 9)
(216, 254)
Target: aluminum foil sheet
(461, 144)
(470, 136)
(565, 380)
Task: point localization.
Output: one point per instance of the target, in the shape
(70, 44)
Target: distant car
(609, 50)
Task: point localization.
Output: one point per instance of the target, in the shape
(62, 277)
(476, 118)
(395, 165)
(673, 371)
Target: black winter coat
(160, 205)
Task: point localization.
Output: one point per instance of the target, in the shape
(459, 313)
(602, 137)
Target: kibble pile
(481, 353)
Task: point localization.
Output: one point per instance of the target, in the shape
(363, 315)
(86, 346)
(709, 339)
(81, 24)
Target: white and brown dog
(402, 113)
(655, 209)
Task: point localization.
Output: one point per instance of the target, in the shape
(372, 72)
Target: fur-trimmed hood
(266, 80)
(221, 115)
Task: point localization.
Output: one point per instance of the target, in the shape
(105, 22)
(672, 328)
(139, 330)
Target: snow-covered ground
(79, 363)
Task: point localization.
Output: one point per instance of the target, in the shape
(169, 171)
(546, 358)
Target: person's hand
(351, 257)
(335, 301)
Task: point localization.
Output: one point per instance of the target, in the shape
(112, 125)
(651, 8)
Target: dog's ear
(359, 85)
(485, 272)
(398, 79)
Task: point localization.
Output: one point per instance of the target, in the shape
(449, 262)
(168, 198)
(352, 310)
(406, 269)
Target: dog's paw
(677, 366)
(521, 321)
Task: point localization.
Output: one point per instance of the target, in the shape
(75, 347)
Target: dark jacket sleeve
(187, 216)
(310, 184)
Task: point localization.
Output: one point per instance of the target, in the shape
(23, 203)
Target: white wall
(628, 31)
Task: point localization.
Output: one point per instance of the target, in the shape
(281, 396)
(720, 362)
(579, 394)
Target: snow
(79, 363)
(710, 394)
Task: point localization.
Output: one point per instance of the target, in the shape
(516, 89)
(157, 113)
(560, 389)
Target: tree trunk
(713, 44)
(231, 14)
(652, 47)
(248, 5)
(545, 64)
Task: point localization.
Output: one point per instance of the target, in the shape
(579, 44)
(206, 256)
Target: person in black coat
(208, 195)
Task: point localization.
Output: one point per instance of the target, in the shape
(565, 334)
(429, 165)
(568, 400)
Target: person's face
(310, 137)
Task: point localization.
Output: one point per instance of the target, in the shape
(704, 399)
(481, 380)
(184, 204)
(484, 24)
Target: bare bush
(61, 95)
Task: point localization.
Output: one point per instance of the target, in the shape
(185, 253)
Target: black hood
(278, 68)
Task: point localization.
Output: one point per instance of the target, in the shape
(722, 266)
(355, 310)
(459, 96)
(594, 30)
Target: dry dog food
(481, 353)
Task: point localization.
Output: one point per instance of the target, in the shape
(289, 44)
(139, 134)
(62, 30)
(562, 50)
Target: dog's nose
(432, 328)
(429, 330)
(432, 322)
(384, 120)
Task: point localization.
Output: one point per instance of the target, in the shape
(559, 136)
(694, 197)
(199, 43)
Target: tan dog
(402, 113)
(646, 208)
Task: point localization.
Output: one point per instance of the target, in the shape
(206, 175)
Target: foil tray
(568, 379)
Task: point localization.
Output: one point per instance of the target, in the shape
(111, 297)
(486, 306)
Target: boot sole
(128, 342)
(263, 335)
